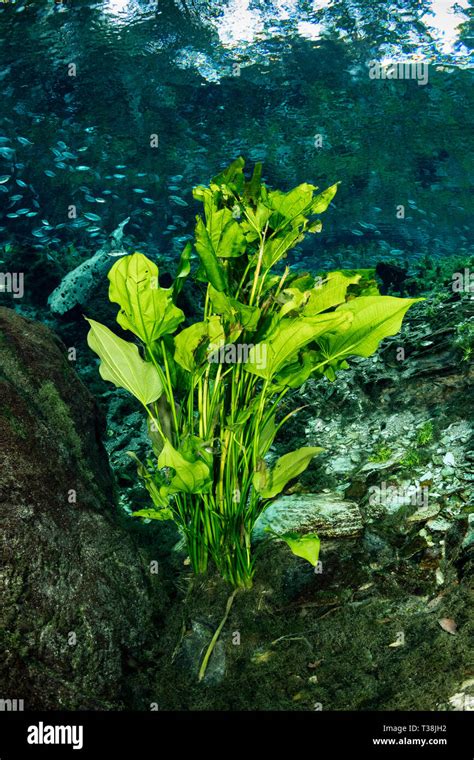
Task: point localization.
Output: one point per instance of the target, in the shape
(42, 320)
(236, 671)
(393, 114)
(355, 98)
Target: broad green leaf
(305, 546)
(367, 285)
(302, 281)
(255, 220)
(275, 248)
(211, 265)
(296, 373)
(190, 476)
(146, 309)
(122, 364)
(233, 176)
(373, 319)
(225, 234)
(328, 293)
(286, 338)
(234, 312)
(194, 448)
(187, 342)
(293, 299)
(322, 201)
(295, 205)
(287, 467)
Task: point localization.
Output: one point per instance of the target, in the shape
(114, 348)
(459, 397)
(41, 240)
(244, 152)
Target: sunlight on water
(116, 6)
(445, 20)
(239, 23)
(122, 12)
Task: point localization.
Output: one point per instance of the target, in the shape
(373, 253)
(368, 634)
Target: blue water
(117, 108)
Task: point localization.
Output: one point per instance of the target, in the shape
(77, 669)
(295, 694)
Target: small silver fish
(178, 201)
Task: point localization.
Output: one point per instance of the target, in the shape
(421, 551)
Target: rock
(326, 514)
(464, 698)
(77, 286)
(193, 649)
(76, 595)
(449, 460)
(469, 537)
(423, 514)
(343, 464)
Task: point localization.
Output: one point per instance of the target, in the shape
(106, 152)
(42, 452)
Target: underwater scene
(236, 357)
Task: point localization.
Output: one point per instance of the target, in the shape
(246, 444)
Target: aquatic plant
(425, 434)
(410, 459)
(381, 454)
(212, 390)
(464, 340)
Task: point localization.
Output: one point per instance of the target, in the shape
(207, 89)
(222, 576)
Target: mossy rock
(78, 602)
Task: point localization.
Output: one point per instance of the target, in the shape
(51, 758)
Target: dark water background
(85, 85)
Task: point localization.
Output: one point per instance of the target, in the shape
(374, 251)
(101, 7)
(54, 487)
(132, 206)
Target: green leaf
(322, 201)
(373, 319)
(190, 477)
(314, 227)
(255, 221)
(184, 269)
(252, 188)
(285, 338)
(330, 292)
(306, 546)
(122, 364)
(225, 234)
(296, 373)
(287, 467)
(233, 176)
(191, 344)
(203, 243)
(267, 434)
(234, 312)
(154, 435)
(154, 514)
(293, 299)
(303, 281)
(146, 309)
(276, 247)
(186, 344)
(161, 511)
(295, 205)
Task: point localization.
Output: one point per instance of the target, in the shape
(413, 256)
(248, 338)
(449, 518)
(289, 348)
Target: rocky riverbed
(102, 611)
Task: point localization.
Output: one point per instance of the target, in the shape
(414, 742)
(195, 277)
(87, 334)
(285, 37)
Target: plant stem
(259, 265)
(203, 668)
(170, 388)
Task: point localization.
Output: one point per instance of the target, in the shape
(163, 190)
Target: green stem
(170, 388)
(259, 266)
(210, 649)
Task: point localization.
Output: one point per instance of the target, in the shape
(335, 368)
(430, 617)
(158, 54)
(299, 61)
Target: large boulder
(78, 603)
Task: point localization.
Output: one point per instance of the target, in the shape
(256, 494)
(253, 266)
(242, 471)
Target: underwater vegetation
(213, 390)
(245, 481)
